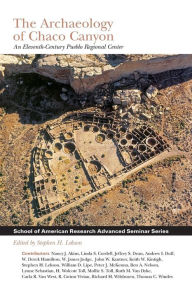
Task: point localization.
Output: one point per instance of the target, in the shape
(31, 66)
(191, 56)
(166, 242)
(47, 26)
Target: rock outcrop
(85, 72)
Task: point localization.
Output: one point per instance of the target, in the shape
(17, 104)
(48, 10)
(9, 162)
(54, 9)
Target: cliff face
(85, 72)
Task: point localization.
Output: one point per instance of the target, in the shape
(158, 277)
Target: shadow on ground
(37, 99)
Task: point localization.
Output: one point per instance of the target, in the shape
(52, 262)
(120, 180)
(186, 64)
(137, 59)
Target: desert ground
(158, 193)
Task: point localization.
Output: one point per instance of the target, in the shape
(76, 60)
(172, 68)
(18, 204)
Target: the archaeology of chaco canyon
(95, 140)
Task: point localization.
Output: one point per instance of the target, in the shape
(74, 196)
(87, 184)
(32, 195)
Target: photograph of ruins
(90, 140)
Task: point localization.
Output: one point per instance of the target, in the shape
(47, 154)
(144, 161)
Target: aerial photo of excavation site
(90, 140)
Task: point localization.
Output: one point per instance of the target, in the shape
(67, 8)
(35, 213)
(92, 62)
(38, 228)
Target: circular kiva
(130, 147)
(123, 142)
(100, 138)
(58, 146)
(110, 135)
(151, 141)
(105, 126)
(69, 147)
(68, 135)
(142, 147)
(129, 136)
(86, 128)
(134, 142)
(95, 129)
(122, 130)
(94, 167)
(48, 154)
(134, 153)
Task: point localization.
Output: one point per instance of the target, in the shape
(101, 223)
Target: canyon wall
(85, 72)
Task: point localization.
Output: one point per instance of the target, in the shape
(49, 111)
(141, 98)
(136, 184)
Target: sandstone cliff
(85, 72)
